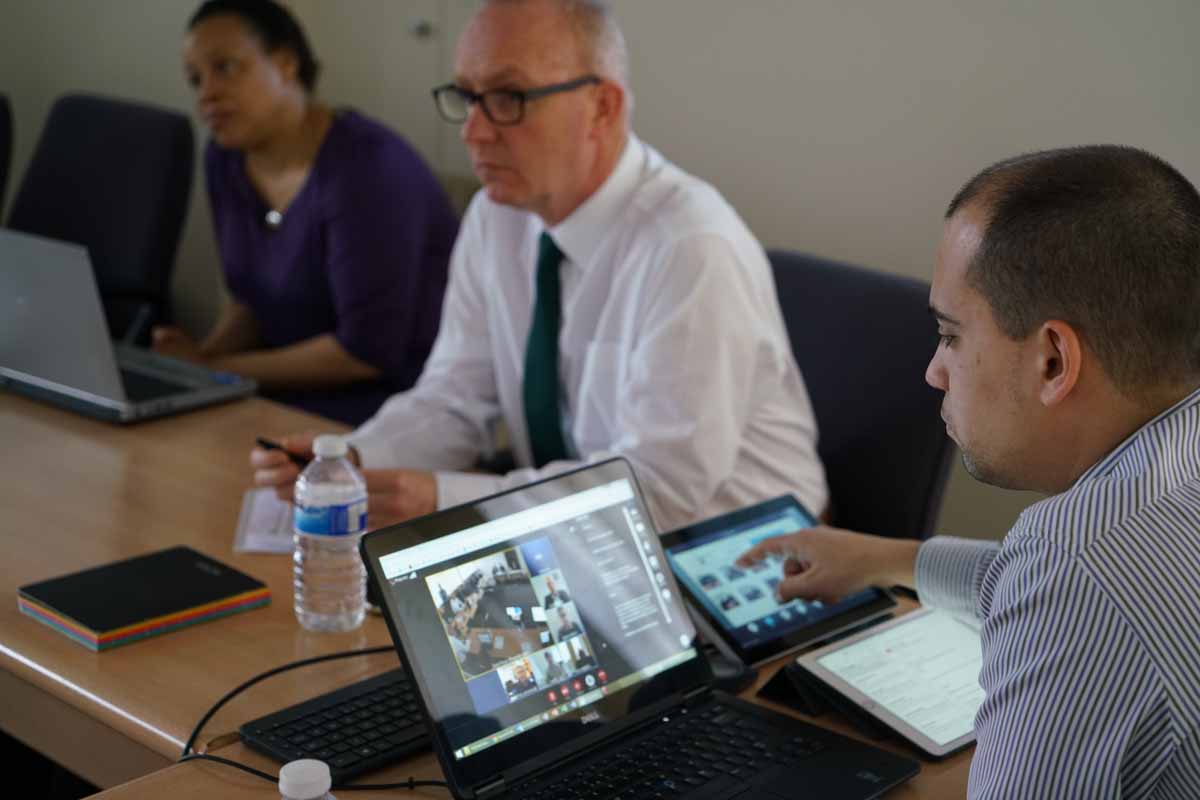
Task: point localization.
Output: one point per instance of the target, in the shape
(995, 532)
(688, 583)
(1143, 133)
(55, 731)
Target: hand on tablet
(828, 564)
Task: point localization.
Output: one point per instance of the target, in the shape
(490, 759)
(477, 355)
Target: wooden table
(75, 493)
(937, 780)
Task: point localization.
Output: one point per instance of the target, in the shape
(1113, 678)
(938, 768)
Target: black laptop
(554, 658)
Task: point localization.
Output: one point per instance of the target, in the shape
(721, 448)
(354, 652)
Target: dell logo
(868, 776)
(593, 716)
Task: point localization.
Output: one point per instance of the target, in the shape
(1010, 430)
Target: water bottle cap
(330, 446)
(306, 779)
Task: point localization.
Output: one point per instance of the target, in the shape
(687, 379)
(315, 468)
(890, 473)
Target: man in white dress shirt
(601, 302)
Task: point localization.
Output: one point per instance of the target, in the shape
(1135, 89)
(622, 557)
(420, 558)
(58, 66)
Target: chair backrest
(460, 189)
(115, 177)
(6, 141)
(862, 340)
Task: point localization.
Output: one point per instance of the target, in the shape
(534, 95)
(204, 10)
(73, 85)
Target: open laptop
(554, 658)
(55, 344)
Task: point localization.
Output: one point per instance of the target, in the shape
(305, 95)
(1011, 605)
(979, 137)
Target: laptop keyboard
(355, 729)
(687, 755)
(140, 386)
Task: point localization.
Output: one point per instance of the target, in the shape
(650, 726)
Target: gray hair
(598, 31)
(600, 38)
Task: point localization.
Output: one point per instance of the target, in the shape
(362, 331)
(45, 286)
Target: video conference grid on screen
(743, 599)
(554, 609)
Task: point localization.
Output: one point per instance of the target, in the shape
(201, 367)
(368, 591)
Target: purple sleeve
(387, 244)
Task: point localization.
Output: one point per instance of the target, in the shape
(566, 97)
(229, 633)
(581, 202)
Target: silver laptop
(55, 344)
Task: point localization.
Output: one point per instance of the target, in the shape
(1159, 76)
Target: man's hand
(393, 495)
(827, 564)
(172, 341)
(274, 470)
(396, 495)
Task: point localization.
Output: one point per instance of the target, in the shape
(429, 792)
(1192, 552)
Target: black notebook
(115, 604)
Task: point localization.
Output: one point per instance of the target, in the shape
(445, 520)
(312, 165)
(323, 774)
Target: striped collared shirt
(1091, 627)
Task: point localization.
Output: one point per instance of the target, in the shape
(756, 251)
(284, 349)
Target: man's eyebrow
(942, 316)
(506, 75)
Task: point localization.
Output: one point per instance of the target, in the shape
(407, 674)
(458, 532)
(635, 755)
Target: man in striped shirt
(1067, 296)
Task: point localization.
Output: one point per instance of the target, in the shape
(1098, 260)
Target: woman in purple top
(334, 235)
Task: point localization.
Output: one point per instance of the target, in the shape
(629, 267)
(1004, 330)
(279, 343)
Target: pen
(267, 444)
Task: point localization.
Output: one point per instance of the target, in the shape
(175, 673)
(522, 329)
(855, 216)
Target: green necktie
(542, 414)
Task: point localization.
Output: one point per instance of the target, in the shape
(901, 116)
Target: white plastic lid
(330, 446)
(306, 779)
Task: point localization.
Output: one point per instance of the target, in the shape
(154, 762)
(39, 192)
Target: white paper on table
(264, 525)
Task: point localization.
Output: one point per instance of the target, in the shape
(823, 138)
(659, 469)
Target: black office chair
(115, 177)
(6, 140)
(862, 340)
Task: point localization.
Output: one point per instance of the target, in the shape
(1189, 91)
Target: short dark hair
(273, 24)
(1105, 238)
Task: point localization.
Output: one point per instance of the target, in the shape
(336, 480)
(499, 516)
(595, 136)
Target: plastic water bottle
(306, 779)
(330, 517)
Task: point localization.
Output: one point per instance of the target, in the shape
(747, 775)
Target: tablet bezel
(791, 641)
(810, 662)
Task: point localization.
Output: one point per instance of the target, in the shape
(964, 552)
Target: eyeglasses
(502, 106)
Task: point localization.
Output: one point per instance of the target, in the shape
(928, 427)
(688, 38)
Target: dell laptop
(554, 658)
(55, 344)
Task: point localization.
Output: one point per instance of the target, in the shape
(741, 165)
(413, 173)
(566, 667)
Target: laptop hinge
(699, 691)
(491, 789)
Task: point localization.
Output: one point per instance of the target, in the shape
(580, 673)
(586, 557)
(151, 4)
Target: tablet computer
(918, 675)
(738, 604)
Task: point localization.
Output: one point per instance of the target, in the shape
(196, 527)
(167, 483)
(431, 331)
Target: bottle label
(336, 520)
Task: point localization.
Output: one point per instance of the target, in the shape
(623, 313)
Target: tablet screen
(742, 600)
(922, 670)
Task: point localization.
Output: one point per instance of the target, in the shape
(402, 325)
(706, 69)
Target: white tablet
(917, 674)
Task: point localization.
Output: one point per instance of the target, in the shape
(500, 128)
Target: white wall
(124, 48)
(841, 127)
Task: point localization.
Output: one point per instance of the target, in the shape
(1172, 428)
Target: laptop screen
(537, 616)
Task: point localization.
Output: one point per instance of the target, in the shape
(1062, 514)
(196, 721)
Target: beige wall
(124, 48)
(840, 127)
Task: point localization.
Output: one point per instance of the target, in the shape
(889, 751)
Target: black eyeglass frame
(522, 96)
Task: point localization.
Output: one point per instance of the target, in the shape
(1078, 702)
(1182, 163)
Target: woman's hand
(175, 342)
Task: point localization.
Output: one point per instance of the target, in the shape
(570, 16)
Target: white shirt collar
(580, 234)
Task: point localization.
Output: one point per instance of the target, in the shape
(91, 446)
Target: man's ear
(1060, 360)
(610, 106)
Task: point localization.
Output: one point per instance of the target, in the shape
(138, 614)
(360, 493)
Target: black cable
(229, 763)
(409, 784)
(187, 748)
(187, 755)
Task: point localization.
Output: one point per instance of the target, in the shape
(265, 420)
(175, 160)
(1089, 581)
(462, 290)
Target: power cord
(188, 755)
(187, 748)
(410, 784)
(266, 776)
